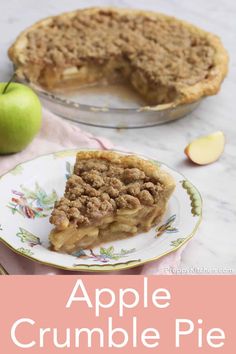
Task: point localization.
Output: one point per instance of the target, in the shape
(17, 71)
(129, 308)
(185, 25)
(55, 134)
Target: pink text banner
(117, 314)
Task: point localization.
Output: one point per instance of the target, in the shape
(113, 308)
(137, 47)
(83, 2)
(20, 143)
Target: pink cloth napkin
(57, 134)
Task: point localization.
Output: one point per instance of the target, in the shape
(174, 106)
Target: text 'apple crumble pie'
(109, 196)
(166, 60)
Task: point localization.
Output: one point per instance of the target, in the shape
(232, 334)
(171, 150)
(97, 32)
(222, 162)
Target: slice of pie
(109, 196)
(166, 60)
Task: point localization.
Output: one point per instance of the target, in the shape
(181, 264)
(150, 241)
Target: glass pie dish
(172, 64)
(111, 106)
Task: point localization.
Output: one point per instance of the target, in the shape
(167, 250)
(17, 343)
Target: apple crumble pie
(109, 196)
(166, 60)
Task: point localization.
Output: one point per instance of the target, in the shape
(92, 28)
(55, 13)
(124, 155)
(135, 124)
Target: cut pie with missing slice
(166, 60)
(109, 196)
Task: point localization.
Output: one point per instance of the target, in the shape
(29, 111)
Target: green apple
(20, 117)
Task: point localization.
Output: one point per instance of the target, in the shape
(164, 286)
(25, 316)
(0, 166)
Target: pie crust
(166, 60)
(109, 196)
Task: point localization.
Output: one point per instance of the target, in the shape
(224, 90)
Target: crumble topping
(157, 49)
(98, 188)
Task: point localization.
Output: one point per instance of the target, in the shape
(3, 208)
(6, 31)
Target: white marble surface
(214, 246)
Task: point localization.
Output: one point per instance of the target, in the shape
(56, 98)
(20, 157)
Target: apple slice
(206, 149)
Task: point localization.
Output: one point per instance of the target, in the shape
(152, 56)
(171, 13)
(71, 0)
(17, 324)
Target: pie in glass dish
(109, 196)
(166, 60)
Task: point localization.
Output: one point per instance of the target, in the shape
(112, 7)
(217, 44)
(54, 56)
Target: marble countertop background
(213, 249)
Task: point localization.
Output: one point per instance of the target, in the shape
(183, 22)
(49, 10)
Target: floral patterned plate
(28, 193)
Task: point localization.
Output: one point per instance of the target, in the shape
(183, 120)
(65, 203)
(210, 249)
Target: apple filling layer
(125, 223)
(110, 196)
